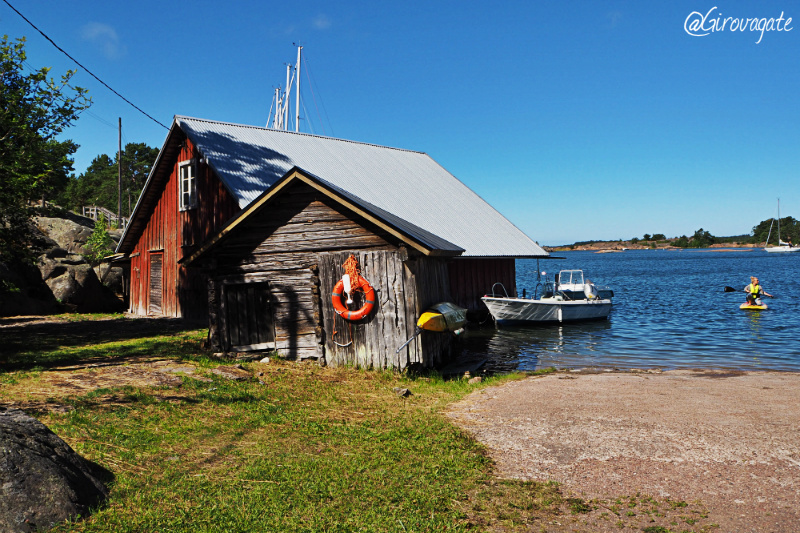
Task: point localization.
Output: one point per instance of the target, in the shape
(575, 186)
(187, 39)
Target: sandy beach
(727, 440)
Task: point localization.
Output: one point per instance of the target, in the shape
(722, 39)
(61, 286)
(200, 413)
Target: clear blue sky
(577, 120)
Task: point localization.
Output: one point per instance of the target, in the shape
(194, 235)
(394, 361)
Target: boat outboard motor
(590, 290)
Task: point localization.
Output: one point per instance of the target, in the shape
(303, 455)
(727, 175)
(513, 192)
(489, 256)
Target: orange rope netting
(352, 269)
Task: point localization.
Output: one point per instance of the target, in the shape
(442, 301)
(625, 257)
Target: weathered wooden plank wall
(293, 303)
(302, 220)
(404, 290)
(280, 245)
(373, 341)
(298, 245)
(431, 278)
(473, 277)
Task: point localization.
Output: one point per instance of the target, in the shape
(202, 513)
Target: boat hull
(443, 316)
(782, 249)
(522, 311)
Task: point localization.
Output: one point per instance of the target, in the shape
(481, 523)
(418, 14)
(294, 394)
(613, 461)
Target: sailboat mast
(288, 95)
(283, 98)
(781, 246)
(297, 95)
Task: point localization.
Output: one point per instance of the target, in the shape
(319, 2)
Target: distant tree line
(655, 237)
(700, 239)
(790, 232)
(99, 185)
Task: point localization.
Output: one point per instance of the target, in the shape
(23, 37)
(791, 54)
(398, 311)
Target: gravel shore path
(728, 440)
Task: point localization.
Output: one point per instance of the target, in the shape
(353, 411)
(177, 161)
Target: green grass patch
(74, 339)
(299, 448)
(309, 449)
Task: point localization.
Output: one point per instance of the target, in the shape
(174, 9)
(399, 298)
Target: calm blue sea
(670, 311)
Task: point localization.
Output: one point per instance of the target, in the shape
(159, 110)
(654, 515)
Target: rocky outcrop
(23, 292)
(75, 284)
(112, 277)
(66, 272)
(42, 480)
(64, 279)
(68, 234)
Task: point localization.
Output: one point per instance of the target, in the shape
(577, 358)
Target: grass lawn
(296, 448)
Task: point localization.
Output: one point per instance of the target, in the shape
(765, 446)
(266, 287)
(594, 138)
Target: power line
(84, 68)
(311, 84)
(60, 97)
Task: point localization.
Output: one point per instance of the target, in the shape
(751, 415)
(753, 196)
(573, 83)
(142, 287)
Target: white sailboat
(783, 247)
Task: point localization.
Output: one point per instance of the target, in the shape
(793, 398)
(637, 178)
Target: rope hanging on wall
(351, 268)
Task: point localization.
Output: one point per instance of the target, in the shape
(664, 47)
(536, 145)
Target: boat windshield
(570, 277)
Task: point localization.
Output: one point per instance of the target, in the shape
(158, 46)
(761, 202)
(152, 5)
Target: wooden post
(119, 176)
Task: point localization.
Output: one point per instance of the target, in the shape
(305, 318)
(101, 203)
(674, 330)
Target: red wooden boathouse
(236, 221)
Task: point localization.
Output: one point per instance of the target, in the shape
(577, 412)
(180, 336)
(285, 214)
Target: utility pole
(119, 175)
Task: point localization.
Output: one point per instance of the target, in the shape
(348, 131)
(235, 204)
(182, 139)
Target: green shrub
(99, 243)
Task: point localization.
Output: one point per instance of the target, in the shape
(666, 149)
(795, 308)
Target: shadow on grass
(44, 344)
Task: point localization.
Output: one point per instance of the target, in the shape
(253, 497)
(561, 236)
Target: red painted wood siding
(177, 234)
(471, 278)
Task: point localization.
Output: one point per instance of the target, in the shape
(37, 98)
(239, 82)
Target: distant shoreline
(622, 246)
(671, 249)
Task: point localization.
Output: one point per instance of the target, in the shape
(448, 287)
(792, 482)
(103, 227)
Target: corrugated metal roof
(421, 235)
(419, 238)
(409, 185)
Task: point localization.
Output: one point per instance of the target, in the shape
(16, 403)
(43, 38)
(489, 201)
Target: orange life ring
(369, 299)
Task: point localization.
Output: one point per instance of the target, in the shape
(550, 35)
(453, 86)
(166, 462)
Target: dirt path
(728, 439)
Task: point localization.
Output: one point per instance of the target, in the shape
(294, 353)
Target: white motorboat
(569, 298)
(572, 285)
(782, 247)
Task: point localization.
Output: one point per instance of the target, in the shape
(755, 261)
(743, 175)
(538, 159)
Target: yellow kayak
(752, 306)
(443, 316)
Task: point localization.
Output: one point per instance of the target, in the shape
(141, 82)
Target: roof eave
(123, 246)
(298, 174)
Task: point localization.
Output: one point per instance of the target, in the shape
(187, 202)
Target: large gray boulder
(70, 235)
(42, 480)
(112, 277)
(67, 234)
(72, 231)
(23, 292)
(74, 283)
(64, 279)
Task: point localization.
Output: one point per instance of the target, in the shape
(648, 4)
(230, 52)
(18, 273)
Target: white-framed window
(187, 181)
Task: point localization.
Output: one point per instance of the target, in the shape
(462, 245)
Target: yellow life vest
(754, 289)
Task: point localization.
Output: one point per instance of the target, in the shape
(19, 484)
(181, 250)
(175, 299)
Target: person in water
(754, 292)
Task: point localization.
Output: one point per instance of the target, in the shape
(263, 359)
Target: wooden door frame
(225, 285)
